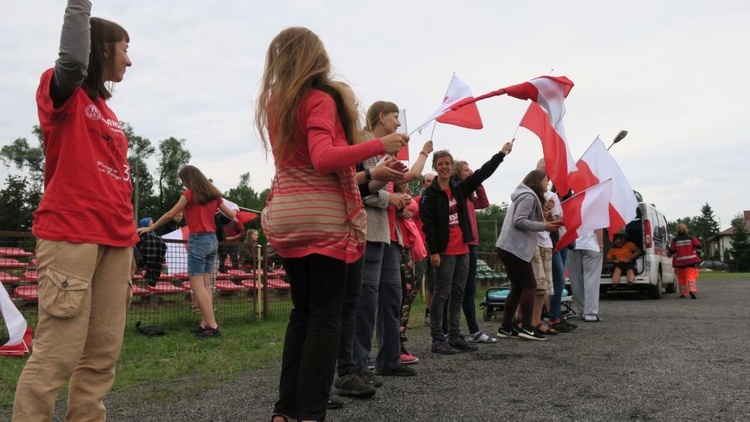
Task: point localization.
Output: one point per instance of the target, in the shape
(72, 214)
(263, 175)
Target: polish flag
(557, 157)
(585, 211)
(465, 116)
(20, 333)
(177, 253)
(549, 91)
(597, 164)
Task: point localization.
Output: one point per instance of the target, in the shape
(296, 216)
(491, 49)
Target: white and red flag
(466, 116)
(597, 164)
(19, 331)
(585, 211)
(558, 160)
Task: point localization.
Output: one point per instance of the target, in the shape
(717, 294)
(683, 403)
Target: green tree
(705, 226)
(17, 204)
(739, 254)
(172, 157)
(145, 203)
(27, 158)
(489, 222)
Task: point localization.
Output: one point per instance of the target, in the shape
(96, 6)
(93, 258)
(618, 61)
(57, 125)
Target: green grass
(167, 362)
(722, 275)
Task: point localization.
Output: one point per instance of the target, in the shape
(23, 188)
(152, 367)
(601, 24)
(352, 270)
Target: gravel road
(648, 360)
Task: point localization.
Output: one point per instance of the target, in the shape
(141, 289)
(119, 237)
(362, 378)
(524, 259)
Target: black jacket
(433, 209)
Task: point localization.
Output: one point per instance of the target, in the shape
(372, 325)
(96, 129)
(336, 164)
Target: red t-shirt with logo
(456, 245)
(87, 187)
(200, 217)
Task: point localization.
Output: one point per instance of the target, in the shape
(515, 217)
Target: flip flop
(480, 337)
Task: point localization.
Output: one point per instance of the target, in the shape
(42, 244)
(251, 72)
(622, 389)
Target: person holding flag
(515, 247)
(447, 229)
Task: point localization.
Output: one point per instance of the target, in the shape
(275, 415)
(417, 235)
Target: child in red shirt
(200, 201)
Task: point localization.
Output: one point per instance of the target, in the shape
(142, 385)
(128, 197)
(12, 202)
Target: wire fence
(245, 289)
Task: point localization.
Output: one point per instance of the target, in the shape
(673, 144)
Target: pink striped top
(315, 206)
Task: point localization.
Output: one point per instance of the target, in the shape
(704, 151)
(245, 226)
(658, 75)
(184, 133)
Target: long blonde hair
(297, 62)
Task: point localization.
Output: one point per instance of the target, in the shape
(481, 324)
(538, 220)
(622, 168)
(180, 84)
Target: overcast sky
(672, 73)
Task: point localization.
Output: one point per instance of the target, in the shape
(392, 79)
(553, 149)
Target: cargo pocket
(61, 295)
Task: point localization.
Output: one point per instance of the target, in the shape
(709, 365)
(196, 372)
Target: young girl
(380, 298)
(313, 216)
(516, 246)
(446, 226)
(84, 249)
(476, 201)
(200, 201)
(249, 249)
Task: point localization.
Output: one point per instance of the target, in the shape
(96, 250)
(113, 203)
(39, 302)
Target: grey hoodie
(523, 220)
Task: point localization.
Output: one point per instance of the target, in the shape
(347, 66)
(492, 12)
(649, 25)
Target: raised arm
(73, 59)
(179, 206)
(320, 126)
(416, 169)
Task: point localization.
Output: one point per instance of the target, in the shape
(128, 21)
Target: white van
(654, 269)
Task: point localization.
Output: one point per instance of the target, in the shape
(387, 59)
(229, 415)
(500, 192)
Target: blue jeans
(558, 284)
(202, 249)
(379, 303)
(450, 281)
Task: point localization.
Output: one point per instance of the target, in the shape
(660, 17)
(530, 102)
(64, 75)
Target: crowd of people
(354, 243)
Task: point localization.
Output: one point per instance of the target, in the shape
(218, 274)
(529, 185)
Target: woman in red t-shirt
(84, 224)
(200, 201)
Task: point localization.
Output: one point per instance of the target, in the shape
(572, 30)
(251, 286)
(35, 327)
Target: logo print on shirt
(93, 113)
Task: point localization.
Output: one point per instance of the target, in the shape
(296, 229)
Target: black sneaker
(352, 385)
(398, 371)
(462, 346)
(334, 402)
(208, 332)
(371, 379)
(563, 326)
(529, 333)
(443, 348)
(693, 295)
(507, 332)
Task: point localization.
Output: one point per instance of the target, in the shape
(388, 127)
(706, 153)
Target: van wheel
(671, 288)
(654, 292)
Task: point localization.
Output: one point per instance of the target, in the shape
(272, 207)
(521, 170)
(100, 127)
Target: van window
(660, 232)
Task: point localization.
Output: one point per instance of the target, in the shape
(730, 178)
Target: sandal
(197, 310)
(480, 337)
(545, 329)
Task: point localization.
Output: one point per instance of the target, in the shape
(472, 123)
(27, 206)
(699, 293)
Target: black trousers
(309, 357)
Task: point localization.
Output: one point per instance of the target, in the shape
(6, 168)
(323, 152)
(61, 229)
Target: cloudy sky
(672, 73)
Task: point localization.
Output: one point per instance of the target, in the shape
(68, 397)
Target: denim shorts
(202, 249)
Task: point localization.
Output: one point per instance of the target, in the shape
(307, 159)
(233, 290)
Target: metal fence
(247, 290)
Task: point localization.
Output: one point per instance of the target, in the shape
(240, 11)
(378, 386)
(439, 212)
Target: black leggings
(522, 288)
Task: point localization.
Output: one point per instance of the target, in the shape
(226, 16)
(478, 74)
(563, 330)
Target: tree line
(155, 191)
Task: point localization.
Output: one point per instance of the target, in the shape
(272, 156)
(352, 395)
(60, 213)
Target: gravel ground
(667, 360)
